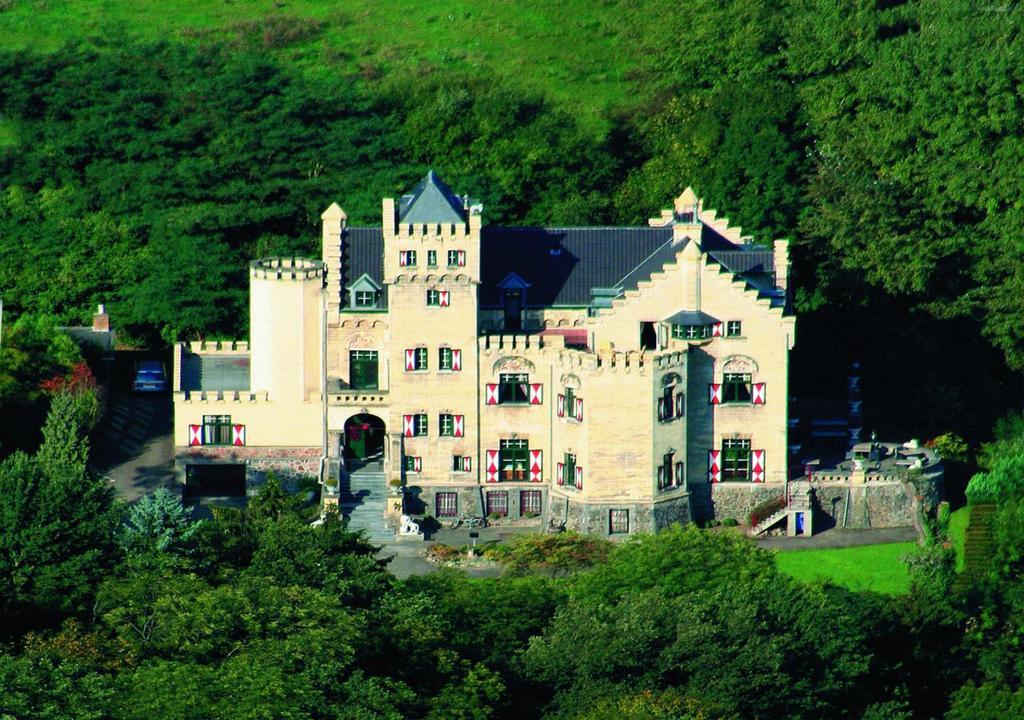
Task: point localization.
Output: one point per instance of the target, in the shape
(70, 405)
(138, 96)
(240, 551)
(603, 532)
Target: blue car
(149, 377)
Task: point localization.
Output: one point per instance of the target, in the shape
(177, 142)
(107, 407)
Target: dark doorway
(364, 437)
(215, 480)
(513, 310)
(648, 336)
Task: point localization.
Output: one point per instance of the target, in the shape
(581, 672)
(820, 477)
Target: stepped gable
(432, 202)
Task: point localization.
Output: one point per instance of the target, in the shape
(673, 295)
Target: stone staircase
(362, 499)
(977, 544)
(768, 522)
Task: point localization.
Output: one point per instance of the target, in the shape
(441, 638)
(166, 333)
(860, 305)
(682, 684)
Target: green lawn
(869, 567)
(957, 529)
(572, 50)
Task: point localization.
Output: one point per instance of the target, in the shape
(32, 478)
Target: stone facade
(604, 405)
(290, 464)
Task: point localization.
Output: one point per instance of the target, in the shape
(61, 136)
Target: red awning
(574, 337)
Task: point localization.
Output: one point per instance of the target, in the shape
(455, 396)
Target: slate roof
(691, 317)
(564, 265)
(215, 372)
(431, 202)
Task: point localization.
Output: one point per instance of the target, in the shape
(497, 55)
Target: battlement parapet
(282, 268)
(607, 360)
(670, 360)
(433, 231)
(218, 347)
(212, 397)
(521, 344)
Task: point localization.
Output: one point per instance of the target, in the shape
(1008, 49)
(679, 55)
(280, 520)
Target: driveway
(840, 538)
(134, 445)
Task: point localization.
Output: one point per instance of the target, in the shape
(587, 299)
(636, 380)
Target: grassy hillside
(570, 49)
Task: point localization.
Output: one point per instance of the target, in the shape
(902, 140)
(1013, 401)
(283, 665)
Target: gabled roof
(365, 282)
(563, 266)
(431, 202)
(690, 317)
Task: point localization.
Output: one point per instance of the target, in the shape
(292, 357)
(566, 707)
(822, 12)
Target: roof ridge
(640, 264)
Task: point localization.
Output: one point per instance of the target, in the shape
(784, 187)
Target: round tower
(284, 317)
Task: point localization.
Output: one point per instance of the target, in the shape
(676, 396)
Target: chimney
(101, 321)
(781, 256)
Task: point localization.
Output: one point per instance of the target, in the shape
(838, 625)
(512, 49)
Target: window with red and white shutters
(715, 466)
(536, 466)
(195, 435)
(758, 394)
(715, 393)
(757, 465)
(536, 394)
(446, 298)
(491, 459)
(238, 434)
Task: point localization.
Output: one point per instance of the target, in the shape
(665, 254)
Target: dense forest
(144, 169)
(143, 612)
(883, 138)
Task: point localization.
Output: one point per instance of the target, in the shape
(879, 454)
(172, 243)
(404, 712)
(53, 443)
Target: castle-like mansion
(614, 379)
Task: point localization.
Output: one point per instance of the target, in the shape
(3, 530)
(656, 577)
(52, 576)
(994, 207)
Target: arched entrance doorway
(364, 437)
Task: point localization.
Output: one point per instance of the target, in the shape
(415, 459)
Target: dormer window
(364, 294)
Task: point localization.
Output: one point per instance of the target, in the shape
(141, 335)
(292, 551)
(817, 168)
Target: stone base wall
(290, 464)
(593, 518)
(720, 501)
(422, 499)
(875, 505)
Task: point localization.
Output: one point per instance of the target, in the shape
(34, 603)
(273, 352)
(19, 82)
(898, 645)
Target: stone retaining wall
(290, 464)
(594, 519)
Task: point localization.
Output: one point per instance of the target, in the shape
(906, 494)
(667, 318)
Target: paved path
(134, 443)
(840, 538)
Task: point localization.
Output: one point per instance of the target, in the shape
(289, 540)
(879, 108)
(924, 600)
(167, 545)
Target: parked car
(149, 377)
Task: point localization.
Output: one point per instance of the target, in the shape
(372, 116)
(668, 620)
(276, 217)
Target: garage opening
(215, 481)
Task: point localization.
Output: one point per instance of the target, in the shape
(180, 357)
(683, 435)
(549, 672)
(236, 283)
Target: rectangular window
(618, 522)
(736, 388)
(411, 463)
(362, 369)
(733, 328)
(497, 502)
(419, 424)
(456, 258)
(407, 258)
(667, 404)
(447, 425)
(691, 332)
(665, 472)
(570, 402)
(416, 359)
(447, 504)
(529, 502)
(461, 463)
(217, 430)
(431, 258)
(736, 460)
(365, 298)
(569, 470)
(513, 388)
(514, 459)
(444, 359)
(434, 298)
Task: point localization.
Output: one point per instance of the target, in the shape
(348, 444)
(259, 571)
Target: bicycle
(469, 521)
